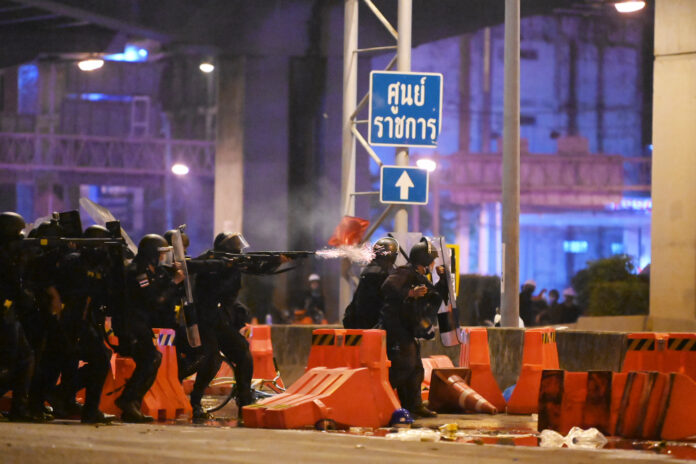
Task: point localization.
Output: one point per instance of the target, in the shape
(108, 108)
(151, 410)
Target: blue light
(631, 204)
(28, 84)
(575, 246)
(131, 54)
(100, 97)
(617, 248)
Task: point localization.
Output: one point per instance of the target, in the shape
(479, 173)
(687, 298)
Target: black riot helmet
(230, 243)
(386, 249)
(149, 249)
(184, 237)
(97, 231)
(422, 253)
(49, 229)
(11, 225)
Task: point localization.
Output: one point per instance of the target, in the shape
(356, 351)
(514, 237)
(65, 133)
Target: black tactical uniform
(364, 310)
(83, 287)
(147, 286)
(220, 317)
(41, 322)
(16, 355)
(407, 316)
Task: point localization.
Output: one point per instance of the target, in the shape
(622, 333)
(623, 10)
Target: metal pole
(350, 96)
(510, 307)
(403, 64)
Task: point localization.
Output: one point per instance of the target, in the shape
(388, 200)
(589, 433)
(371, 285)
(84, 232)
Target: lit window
(575, 246)
(617, 248)
(28, 83)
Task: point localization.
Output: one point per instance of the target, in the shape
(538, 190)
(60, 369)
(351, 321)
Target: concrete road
(70, 442)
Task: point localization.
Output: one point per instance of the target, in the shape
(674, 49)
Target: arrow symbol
(404, 183)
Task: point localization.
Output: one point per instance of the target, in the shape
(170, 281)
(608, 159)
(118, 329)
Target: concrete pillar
(497, 266)
(483, 239)
(462, 239)
(673, 268)
(464, 93)
(229, 146)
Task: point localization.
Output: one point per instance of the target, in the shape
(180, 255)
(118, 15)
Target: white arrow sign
(404, 183)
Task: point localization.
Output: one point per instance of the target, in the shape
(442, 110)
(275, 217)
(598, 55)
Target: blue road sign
(405, 109)
(403, 184)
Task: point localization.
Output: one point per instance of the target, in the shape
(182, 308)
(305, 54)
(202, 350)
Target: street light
(425, 163)
(206, 67)
(629, 6)
(90, 64)
(180, 169)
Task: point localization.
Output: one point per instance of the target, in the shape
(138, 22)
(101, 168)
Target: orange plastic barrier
(165, 399)
(539, 353)
(261, 349)
(647, 405)
(451, 393)
(433, 362)
(633, 405)
(645, 352)
(678, 420)
(335, 348)
(351, 396)
(474, 355)
(680, 355)
(618, 384)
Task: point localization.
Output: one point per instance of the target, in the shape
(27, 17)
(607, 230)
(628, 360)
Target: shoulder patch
(143, 281)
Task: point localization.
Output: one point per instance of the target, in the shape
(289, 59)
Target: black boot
(95, 416)
(21, 413)
(422, 412)
(200, 415)
(64, 408)
(130, 412)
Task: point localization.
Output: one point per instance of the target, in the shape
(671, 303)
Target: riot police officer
(83, 286)
(221, 317)
(410, 306)
(363, 311)
(41, 321)
(149, 283)
(16, 355)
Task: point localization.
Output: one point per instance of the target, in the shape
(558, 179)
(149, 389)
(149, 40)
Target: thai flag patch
(143, 280)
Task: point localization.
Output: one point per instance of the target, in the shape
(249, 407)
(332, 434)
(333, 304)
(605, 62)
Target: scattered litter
(414, 435)
(449, 431)
(576, 438)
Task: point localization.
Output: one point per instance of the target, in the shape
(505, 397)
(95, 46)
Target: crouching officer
(151, 280)
(363, 310)
(411, 302)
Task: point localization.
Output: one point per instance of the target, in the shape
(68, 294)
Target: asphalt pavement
(224, 442)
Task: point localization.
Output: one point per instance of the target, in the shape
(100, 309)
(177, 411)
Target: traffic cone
(461, 397)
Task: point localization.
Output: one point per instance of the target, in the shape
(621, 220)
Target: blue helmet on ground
(401, 417)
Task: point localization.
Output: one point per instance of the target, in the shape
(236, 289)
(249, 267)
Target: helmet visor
(166, 256)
